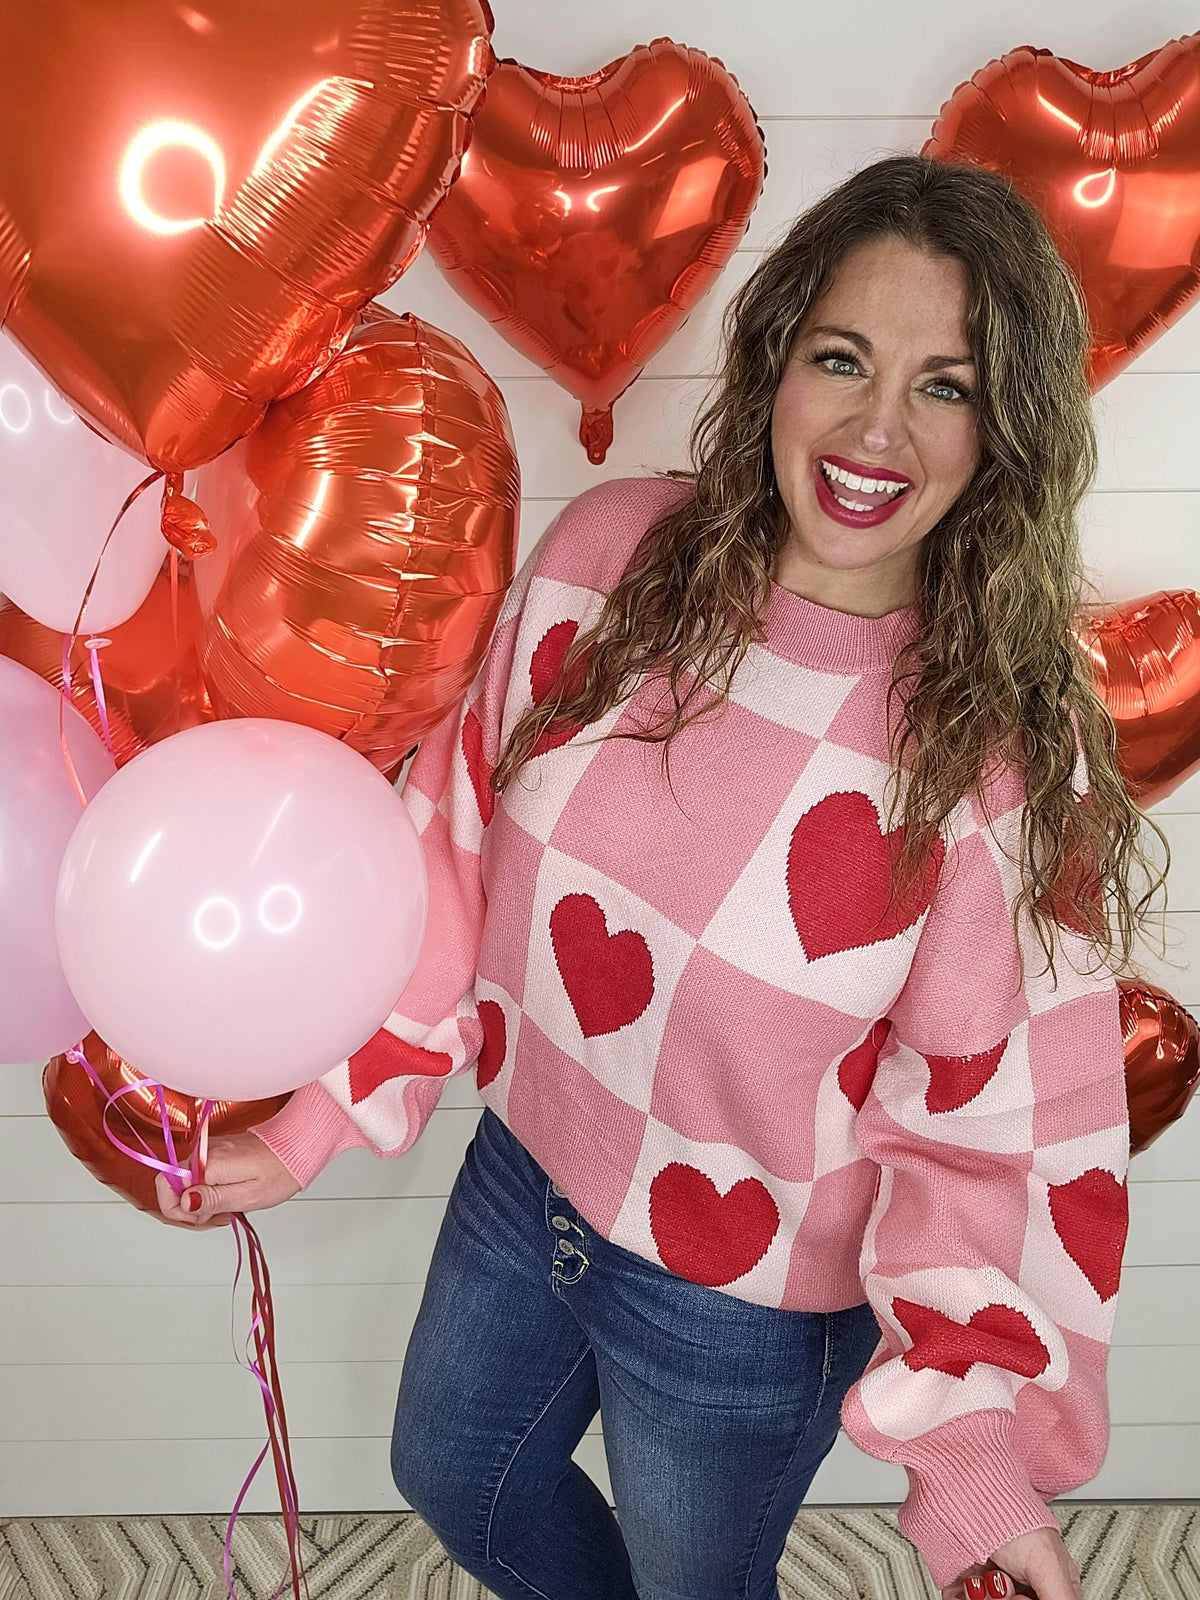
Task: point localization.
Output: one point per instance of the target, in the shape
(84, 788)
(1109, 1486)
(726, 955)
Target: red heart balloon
(195, 199)
(76, 1108)
(1111, 161)
(1145, 657)
(1162, 1059)
(591, 214)
(367, 536)
(149, 669)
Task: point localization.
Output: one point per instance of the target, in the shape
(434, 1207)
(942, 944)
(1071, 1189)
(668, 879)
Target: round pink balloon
(39, 808)
(241, 908)
(63, 486)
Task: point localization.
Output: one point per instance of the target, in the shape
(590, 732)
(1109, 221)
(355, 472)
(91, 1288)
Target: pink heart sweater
(685, 1001)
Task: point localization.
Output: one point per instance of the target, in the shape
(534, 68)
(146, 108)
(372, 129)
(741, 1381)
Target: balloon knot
(184, 525)
(596, 432)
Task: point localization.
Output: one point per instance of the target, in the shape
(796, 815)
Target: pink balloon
(38, 812)
(63, 486)
(241, 908)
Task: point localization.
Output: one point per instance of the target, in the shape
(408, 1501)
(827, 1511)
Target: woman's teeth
(883, 489)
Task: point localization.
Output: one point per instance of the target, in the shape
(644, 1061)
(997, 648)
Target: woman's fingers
(241, 1174)
(988, 1585)
(172, 1208)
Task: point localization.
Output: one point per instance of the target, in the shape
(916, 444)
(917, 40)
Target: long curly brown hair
(995, 673)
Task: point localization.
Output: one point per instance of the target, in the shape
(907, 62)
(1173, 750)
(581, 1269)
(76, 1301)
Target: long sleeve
(383, 1096)
(992, 1255)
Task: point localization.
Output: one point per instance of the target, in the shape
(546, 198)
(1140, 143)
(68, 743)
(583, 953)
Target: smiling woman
(939, 280)
(906, 432)
(782, 1128)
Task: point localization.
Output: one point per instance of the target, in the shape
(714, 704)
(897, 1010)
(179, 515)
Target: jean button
(560, 1223)
(554, 1189)
(565, 1247)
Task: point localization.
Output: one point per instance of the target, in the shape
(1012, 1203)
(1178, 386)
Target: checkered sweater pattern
(686, 1002)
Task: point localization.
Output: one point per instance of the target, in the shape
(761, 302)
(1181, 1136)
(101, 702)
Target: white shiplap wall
(118, 1391)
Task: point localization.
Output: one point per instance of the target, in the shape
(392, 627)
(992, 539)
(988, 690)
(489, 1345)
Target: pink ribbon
(67, 647)
(177, 1175)
(261, 1335)
(93, 648)
(262, 1363)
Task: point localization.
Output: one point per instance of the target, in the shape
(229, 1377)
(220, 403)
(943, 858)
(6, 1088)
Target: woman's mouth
(855, 505)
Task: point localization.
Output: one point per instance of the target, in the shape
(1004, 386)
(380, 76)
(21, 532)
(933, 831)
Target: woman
(787, 1121)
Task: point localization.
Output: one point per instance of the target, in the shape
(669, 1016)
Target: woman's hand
(241, 1174)
(1039, 1562)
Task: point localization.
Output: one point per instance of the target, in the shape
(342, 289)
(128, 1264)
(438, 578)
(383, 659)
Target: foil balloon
(149, 667)
(366, 537)
(1111, 162)
(240, 908)
(1145, 657)
(58, 477)
(76, 1108)
(591, 214)
(196, 198)
(1162, 1059)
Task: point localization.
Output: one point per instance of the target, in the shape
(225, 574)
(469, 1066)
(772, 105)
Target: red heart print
(1111, 160)
(495, 1037)
(996, 1334)
(856, 1069)
(548, 657)
(609, 978)
(954, 1081)
(705, 1236)
(477, 767)
(838, 872)
(544, 668)
(1091, 1217)
(384, 1057)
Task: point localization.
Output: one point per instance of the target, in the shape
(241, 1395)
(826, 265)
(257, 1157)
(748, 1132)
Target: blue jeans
(716, 1412)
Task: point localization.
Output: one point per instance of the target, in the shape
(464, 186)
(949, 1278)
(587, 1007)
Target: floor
(1125, 1551)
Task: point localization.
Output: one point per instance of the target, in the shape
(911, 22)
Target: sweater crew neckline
(812, 635)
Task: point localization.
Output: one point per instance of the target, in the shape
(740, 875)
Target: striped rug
(1125, 1551)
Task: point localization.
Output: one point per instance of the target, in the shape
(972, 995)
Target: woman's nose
(881, 423)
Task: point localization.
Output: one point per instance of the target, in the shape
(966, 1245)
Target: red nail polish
(193, 1200)
(997, 1584)
(974, 1588)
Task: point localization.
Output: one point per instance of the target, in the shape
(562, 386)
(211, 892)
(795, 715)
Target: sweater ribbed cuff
(310, 1130)
(968, 1493)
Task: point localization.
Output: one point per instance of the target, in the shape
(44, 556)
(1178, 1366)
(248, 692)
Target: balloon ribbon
(69, 644)
(263, 1364)
(186, 530)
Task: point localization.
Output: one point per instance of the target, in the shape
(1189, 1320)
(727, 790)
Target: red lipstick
(840, 513)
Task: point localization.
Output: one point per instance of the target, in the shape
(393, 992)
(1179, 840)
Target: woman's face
(880, 384)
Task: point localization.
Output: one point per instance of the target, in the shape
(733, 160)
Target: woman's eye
(955, 389)
(823, 356)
